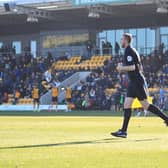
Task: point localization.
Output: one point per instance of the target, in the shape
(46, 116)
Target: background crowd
(21, 73)
(91, 94)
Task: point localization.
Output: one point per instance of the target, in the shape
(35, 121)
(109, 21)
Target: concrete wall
(39, 37)
(60, 51)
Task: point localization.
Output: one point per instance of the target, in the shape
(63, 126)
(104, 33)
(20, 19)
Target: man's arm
(130, 61)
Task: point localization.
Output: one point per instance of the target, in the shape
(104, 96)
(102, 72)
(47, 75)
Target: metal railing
(82, 51)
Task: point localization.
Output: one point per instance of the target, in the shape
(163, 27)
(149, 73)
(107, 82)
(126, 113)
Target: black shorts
(36, 100)
(137, 90)
(54, 99)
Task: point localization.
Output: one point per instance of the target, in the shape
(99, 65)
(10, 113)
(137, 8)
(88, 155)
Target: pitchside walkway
(76, 113)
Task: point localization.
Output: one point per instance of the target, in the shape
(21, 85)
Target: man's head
(126, 40)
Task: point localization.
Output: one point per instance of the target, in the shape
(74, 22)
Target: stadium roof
(67, 16)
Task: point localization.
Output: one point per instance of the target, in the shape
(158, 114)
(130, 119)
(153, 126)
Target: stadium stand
(102, 89)
(20, 73)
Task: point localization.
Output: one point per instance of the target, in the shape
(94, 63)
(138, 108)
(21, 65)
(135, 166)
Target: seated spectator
(5, 98)
(17, 95)
(48, 76)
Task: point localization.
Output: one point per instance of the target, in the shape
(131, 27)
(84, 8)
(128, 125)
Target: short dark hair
(128, 36)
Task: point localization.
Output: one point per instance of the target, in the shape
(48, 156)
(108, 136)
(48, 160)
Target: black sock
(155, 110)
(127, 116)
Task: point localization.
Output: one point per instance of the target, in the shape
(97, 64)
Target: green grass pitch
(35, 140)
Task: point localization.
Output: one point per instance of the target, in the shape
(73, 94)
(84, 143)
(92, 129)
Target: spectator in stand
(86, 104)
(92, 94)
(56, 83)
(89, 47)
(103, 47)
(68, 55)
(48, 76)
(17, 95)
(109, 48)
(161, 98)
(117, 100)
(165, 68)
(41, 66)
(161, 48)
(117, 48)
(5, 98)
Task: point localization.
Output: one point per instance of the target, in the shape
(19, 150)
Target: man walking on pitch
(137, 86)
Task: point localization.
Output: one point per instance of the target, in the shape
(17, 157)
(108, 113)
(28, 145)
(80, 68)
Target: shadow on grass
(146, 140)
(102, 141)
